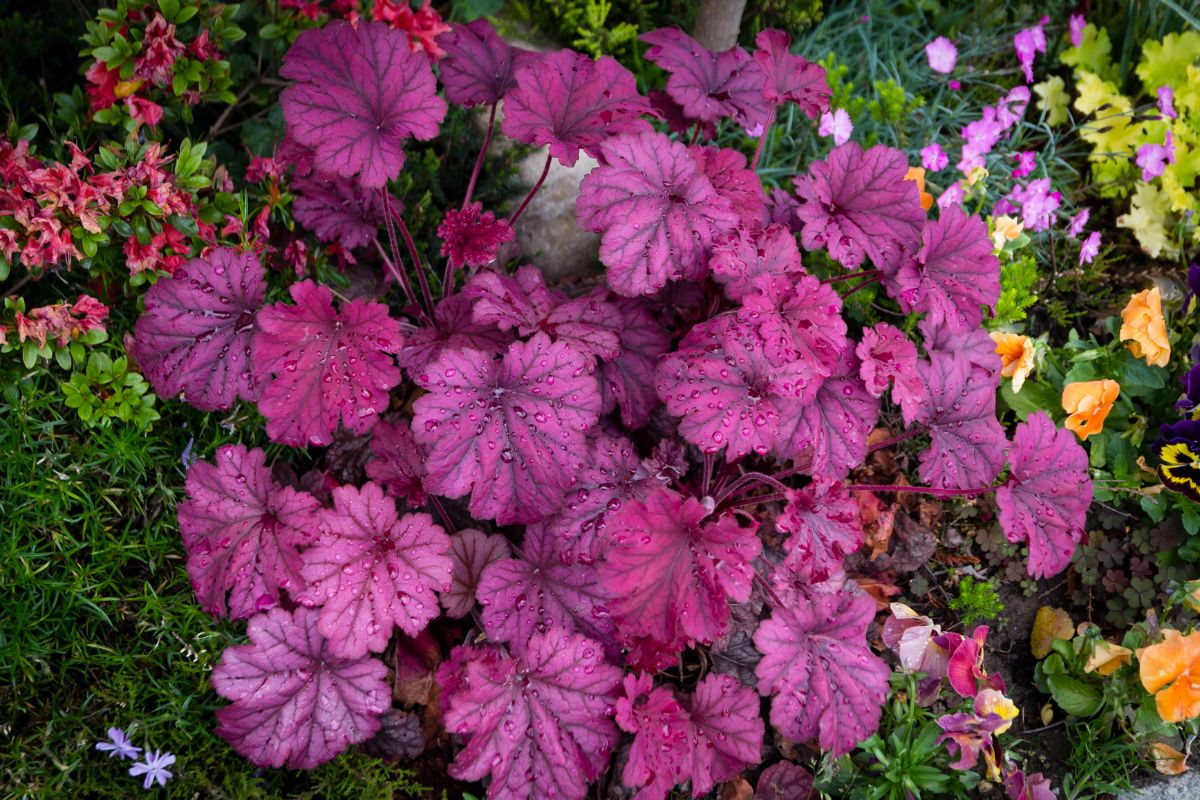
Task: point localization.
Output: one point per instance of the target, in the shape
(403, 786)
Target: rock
(548, 232)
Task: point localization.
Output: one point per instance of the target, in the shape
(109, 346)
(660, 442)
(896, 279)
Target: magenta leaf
(372, 570)
(195, 334)
(660, 729)
(627, 381)
(888, 357)
(708, 85)
(571, 103)
(671, 574)
(727, 171)
(857, 205)
(824, 526)
(397, 463)
(360, 92)
(471, 551)
(952, 273)
(295, 703)
(1044, 502)
(510, 433)
(454, 328)
(472, 236)
(538, 592)
(337, 209)
(242, 531)
(479, 67)
(966, 442)
(740, 258)
(612, 475)
(790, 78)
(827, 685)
(832, 430)
(722, 384)
(726, 731)
(656, 210)
(324, 366)
(537, 722)
(784, 780)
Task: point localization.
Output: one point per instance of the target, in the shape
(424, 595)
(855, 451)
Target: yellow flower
(1107, 658)
(918, 174)
(1053, 99)
(1005, 229)
(125, 88)
(1170, 670)
(1016, 356)
(990, 701)
(1088, 404)
(976, 175)
(1143, 326)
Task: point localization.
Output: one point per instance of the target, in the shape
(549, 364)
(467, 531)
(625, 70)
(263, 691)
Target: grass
(100, 628)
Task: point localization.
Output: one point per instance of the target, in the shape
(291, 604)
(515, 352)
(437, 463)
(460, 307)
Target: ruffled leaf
(471, 551)
(726, 731)
(627, 381)
(733, 180)
(479, 67)
(740, 258)
(337, 209)
(790, 78)
(453, 328)
(831, 431)
(966, 442)
(398, 463)
(825, 526)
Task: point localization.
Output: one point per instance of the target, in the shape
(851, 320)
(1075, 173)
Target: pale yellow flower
(1053, 99)
(1006, 229)
(1107, 658)
(1143, 326)
(1016, 356)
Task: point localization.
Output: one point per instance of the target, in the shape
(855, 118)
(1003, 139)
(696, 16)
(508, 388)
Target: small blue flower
(119, 745)
(154, 768)
(188, 457)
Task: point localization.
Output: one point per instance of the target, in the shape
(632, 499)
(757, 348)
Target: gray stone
(548, 232)
(1181, 787)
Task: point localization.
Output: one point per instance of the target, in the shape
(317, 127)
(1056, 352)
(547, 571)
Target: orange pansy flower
(1170, 670)
(1016, 356)
(1143, 326)
(1107, 658)
(1088, 403)
(918, 174)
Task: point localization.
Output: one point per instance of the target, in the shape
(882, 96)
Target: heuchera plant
(649, 467)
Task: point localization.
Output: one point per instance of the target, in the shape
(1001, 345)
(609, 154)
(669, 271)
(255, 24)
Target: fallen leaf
(878, 522)
(416, 660)
(880, 590)
(1168, 760)
(737, 789)
(1047, 713)
(1049, 624)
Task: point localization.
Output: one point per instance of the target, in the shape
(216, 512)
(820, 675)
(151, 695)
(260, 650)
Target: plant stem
(851, 275)
(394, 213)
(763, 139)
(394, 264)
(929, 490)
(873, 279)
(761, 498)
(891, 440)
(525, 203)
(746, 482)
(708, 472)
(766, 587)
(487, 139)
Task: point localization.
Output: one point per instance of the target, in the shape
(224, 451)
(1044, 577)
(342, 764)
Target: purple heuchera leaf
(295, 703)
(612, 475)
(627, 381)
(660, 737)
(825, 526)
(398, 463)
(671, 574)
(360, 92)
(858, 205)
(471, 551)
(887, 356)
(370, 570)
(827, 685)
(656, 210)
(708, 85)
(1045, 500)
(538, 592)
(966, 442)
(194, 336)
(571, 103)
(538, 722)
(242, 531)
(730, 177)
(479, 67)
(831, 430)
(790, 78)
(337, 209)
(784, 780)
(319, 366)
(510, 433)
(454, 328)
(952, 274)
(726, 731)
(740, 258)
(972, 353)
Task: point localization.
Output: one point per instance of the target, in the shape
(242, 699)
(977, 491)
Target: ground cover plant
(646, 531)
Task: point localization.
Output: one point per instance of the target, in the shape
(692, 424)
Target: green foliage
(596, 27)
(108, 390)
(792, 16)
(977, 601)
(892, 104)
(1099, 767)
(1018, 281)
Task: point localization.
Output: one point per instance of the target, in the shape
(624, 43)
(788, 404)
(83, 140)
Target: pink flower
(143, 111)
(954, 85)
(1076, 26)
(1090, 248)
(1028, 43)
(1038, 204)
(1026, 162)
(933, 158)
(1012, 107)
(1078, 222)
(1153, 158)
(837, 124)
(1166, 101)
(953, 196)
(160, 48)
(942, 55)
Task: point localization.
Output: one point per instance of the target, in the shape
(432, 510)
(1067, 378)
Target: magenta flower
(933, 158)
(1153, 158)
(154, 768)
(953, 196)
(967, 735)
(1090, 248)
(1026, 162)
(1076, 26)
(118, 745)
(1038, 204)
(954, 85)
(1028, 787)
(1078, 222)
(942, 54)
(1028, 43)
(1166, 101)
(837, 124)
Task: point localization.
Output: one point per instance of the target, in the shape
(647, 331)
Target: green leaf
(1034, 396)
(1138, 378)
(1073, 695)
(1191, 519)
